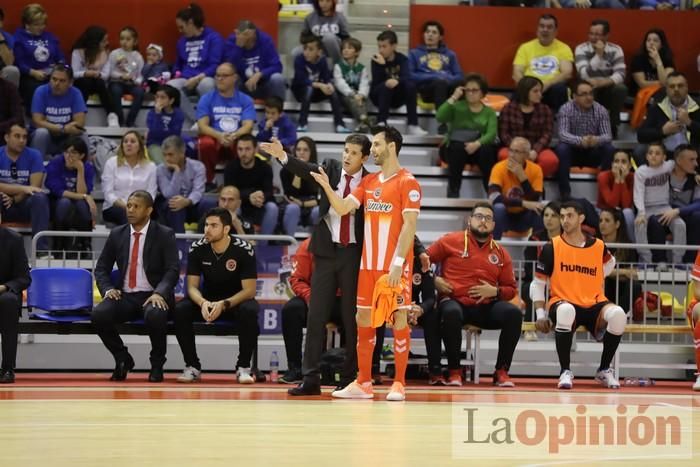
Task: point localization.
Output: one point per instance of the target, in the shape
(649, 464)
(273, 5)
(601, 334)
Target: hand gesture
(379, 58)
(321, 178)
(177, 203)
(414, 313)
(458, 93)
(274, 148)
(640, 219)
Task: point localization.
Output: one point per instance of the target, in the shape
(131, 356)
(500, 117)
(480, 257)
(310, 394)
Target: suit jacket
(322, 237)
(160, 260)
(14, 267)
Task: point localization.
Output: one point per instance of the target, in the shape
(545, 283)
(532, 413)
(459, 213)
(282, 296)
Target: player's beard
(480, 236)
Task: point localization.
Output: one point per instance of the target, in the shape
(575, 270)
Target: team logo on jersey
(377, 193)
(417, 279)
(231, 265)
(493, 259)
(399, 300)
(414, 195)
(378, 206)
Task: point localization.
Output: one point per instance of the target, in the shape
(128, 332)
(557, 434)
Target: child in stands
(651, 196)
(165, 119)
(313, 83)
(276, 124)
(155, 72)
(125, 65)
(351, 79)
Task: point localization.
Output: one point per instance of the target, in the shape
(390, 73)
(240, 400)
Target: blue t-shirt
(60, 179)
(226, 113)
(58, 109)
(29, 162)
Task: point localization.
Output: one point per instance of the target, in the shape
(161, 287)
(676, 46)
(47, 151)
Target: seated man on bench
(148, 270)
(576, 265)
(476, 285)
(221, 278)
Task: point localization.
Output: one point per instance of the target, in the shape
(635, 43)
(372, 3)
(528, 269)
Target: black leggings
(89, 86)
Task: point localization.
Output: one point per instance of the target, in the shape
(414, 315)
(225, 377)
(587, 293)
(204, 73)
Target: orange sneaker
(455, 378)
(501, 379)
(397, 392)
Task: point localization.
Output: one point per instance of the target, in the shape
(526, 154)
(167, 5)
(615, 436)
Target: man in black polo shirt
(227, 266)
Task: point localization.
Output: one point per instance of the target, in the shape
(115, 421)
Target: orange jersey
(384, 202)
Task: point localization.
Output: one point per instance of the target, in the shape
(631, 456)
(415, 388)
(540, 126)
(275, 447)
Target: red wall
(153, 19)
(486, 38)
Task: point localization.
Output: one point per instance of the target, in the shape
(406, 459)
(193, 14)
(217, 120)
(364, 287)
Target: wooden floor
(82, 420)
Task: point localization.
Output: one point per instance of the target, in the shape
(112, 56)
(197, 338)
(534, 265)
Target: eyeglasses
(482, 218)
(13, 171)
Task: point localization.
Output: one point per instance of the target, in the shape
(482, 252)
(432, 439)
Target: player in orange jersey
(694, 317)
(391, 200)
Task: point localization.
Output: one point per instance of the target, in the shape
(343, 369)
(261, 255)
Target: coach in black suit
(337, 250)
(14, 278)
(148, 270)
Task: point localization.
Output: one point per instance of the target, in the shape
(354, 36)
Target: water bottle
(634, 381)
(274, 367)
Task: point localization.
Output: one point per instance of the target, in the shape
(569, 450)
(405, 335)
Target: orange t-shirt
(384, 202)
(511, 188)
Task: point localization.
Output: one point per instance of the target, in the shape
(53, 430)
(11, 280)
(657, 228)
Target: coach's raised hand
(275, 149)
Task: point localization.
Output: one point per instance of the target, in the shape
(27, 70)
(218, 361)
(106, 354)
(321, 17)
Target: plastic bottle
(634, 381)
(274, 367)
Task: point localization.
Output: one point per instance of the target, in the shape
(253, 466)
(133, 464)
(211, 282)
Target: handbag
(464, 135)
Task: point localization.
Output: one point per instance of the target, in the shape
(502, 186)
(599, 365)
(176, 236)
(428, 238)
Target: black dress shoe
(156, 375)
(306, 389)
(122, 369)
(7, 376)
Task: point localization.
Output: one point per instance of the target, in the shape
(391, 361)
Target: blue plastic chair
(60, 294)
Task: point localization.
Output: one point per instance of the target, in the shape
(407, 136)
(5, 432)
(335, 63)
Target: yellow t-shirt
(540, 61)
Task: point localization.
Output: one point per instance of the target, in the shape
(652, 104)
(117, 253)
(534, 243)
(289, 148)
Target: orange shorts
(365, 288)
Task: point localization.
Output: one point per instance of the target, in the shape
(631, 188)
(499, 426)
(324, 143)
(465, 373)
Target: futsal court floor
(82, 419)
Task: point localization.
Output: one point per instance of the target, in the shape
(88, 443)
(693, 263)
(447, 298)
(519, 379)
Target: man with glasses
(475, 286)
(584, 135)
(223, 115)
(21, 177)
(548, 59)
(516, 186)
(58, 112)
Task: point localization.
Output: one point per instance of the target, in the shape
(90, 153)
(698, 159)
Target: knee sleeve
(566, 315)
(617, 320)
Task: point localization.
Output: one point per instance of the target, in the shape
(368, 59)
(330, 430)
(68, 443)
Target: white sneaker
(415, 130)
(607, 379)
(189, 375)
(355, 390)
(112, 120)
(566, 380)
(195, 127)
(696, 386)
(530, 336)
(397, 392)
(244, 376)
